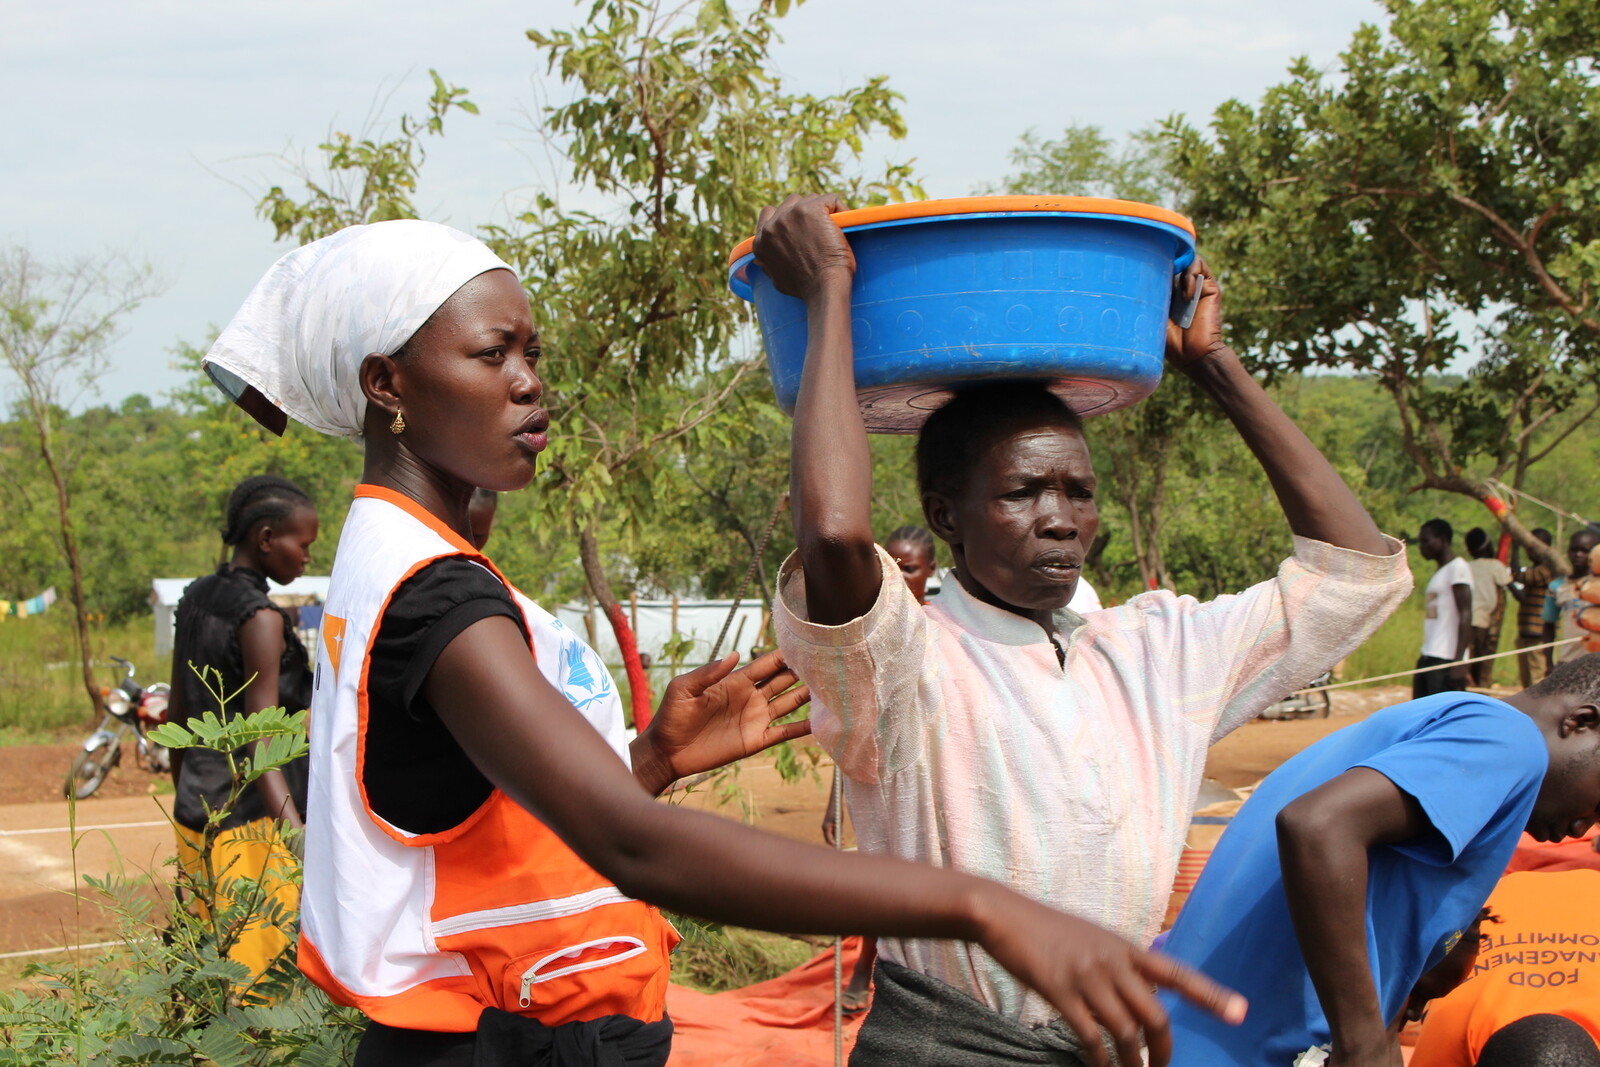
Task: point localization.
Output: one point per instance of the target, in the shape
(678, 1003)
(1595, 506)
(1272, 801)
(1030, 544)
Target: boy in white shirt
(1489, 580)
(1447, 618)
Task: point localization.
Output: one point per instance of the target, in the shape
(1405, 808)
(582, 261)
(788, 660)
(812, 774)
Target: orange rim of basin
(988, 205)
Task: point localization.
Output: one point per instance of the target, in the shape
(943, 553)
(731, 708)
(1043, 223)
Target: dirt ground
(124, 825)
(35, 773)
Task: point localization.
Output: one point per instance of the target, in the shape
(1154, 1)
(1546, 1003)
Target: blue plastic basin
(1076, 299)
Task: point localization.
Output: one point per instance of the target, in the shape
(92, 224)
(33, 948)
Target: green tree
(222, 446)
(56, 322)
(363, 178)
(680, 125)
(1449, 167)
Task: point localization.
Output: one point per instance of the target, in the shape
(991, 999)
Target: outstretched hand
(1203, 338)
(715, 715)
(1096, 979)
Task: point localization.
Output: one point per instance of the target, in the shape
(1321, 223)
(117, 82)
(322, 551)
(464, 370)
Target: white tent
(166, 592)
(655, 621)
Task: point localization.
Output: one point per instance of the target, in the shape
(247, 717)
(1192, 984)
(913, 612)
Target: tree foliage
(679, 127)
(56, 322)
(1449, 168)
(363, 178)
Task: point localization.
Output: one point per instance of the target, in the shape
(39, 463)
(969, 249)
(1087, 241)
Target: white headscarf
(320, 310)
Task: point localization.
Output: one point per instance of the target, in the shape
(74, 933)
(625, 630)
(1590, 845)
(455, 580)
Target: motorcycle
(128, 706)
(1304, 705)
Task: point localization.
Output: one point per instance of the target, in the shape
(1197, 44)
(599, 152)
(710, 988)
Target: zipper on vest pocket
(535, 911)
(629, 947)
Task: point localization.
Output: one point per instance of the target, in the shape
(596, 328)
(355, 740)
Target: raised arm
(1314, 498)
(806, 256)
(1323, 838)
(534, 745)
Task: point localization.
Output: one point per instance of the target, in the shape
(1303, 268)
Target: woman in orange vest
(448, 709)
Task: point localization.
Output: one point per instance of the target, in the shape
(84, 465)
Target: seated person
(1535, 987)
(999, 731)
(1375, 849)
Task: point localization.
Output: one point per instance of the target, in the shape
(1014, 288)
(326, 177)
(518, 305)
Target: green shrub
(170, 994)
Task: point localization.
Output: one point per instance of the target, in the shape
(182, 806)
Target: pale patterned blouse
(967, 743)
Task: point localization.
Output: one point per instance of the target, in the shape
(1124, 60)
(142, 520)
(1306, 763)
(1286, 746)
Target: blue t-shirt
(1473, 763)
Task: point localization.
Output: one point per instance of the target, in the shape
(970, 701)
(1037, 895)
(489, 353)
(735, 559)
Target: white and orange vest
(426, 930)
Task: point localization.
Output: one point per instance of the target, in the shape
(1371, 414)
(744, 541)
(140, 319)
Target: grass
(709, 963)
(713, 961)
(41, 688)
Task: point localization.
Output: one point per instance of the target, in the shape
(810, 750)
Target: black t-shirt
(416, 775)
(209, 616)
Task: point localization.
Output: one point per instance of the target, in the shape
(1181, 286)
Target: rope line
(1436, 667)
(83, 829)
(838, 941)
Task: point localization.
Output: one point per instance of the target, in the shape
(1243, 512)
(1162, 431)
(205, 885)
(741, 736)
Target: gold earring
(399, 424)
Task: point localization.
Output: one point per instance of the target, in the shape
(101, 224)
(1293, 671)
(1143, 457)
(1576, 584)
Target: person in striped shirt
(999, 732)
(1534, 581)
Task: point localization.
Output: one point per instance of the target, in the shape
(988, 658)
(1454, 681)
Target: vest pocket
(566, 967)
(587, 956)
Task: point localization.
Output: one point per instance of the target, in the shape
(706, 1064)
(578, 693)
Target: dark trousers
(1433, 681)
(505, 1040)
(918, 1021)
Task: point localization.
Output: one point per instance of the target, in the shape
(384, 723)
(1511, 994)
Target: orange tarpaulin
(787, 1021)
(1575, 853)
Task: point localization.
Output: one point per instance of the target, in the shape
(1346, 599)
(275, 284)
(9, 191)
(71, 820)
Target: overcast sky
(150, 128)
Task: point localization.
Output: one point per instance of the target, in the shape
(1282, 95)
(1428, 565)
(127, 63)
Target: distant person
(480, 516)
(913, 552)
(1489, 580)
(1534, 582)
(227, 626)
(1360, 863)
(1562, 603)
(1447, 615)
(912, 549)
(1528, 996)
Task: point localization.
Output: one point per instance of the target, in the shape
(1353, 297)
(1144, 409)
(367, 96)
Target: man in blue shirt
(1357, 865)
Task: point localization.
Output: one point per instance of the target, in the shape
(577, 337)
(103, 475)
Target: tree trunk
(1147, 574)
(1155, 512)
(1537, 550)
(638, 681)
(69, 544)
